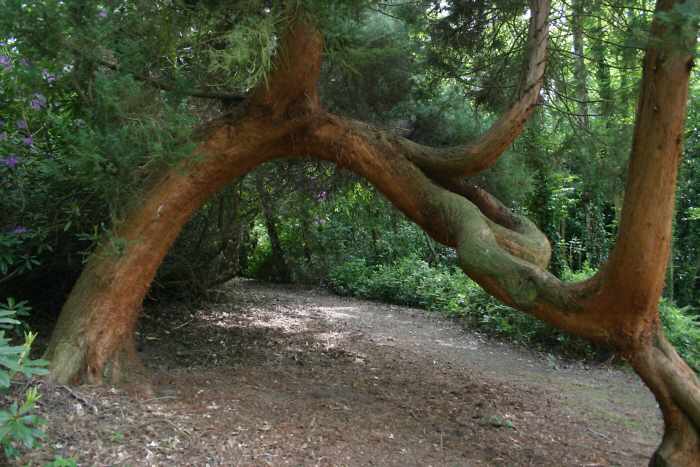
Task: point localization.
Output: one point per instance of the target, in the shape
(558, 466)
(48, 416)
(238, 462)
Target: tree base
(678, 449)
(71, 364)
(677, 391)
(126, 370)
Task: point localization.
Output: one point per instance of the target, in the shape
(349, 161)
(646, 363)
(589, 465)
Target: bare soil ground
(271, 375)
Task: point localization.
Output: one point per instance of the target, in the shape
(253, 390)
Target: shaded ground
(274, 375)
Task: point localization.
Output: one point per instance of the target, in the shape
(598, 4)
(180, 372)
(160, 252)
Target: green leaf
(4, 430)
(16, 350)
(10, 364)
(4, 379)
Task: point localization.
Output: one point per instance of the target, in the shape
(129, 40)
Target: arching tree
(501, 250)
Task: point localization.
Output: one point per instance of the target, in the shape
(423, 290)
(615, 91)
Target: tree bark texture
(505, 253)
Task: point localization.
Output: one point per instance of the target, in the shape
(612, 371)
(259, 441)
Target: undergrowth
(411, 281)
(20, 427)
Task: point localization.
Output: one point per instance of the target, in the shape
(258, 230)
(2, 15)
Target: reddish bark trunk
(97, 321)
(506, 254)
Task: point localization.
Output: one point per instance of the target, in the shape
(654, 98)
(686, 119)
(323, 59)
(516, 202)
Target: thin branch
(382, 12)
(163, 85)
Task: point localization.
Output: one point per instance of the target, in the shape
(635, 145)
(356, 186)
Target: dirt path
(286, 376)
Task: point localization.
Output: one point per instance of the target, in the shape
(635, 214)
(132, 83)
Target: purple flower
(28, 140)
(19, 229)
(25, 63)
(322, 196)
(22, 124)
(38, 102)
(10, 161)
(102, 13)
(5, 62)
(48, 77)
(3, 136)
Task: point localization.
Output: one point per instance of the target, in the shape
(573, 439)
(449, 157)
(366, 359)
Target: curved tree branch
(507, 263)
(514, 232)
(94, 333)
(482, 154)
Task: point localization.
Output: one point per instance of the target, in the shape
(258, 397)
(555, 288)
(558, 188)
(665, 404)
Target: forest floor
(281, 375)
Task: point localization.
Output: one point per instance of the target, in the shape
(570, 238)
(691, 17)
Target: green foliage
(461, 47)
(683, 330)
(20, 310)
(131, 133)
(412, 282)
(682, 22)
(374, 83)
(324, 217)
(409, 281)
(246, 57)
(19, 426)
(685, 283)
(14, 259)
(445, 289)
(62, 462)
(259, 258)
(77, 141)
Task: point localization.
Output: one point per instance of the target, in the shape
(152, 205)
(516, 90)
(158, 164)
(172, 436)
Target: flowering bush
(26, 140)
(73, 149)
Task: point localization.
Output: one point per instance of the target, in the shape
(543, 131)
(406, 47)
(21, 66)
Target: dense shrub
(683, 330)
(330, 216)
(411, 281)
(69, 163)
